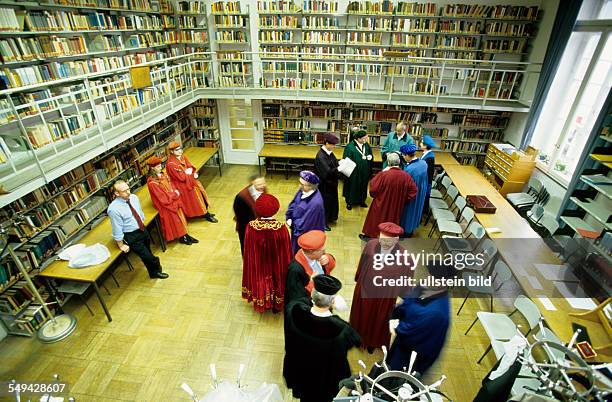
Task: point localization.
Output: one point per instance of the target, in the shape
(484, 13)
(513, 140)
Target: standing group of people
(177, 194)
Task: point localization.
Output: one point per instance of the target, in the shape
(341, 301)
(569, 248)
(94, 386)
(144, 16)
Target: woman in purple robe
(306, 212)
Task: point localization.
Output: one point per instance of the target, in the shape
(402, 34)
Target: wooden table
(310, 152)
(521, 247)
(102, 234)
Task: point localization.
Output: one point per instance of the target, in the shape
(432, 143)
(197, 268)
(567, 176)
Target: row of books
(32, 318)
(322, 84)
(319, 6)
(203, 122)
(72, 21)
(374, 23)
(13, 300)
(221, 7)
(370, 7)
(276, 37)
(23, 49)
(321, 37)
(74, 220)
(234, 21)
(188, 21)
(278, 21)
(191, 7)
(485, 135)
(497, 12)
(459, 146)
(231, 36)
(270, 6)
(140, 5)
(318, 22)
(364, 37)
(481, 120)
(414, 8)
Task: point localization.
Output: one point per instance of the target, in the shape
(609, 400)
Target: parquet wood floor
(166, 332)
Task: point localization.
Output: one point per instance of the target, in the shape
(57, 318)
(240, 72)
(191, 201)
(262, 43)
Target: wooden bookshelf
(508, 168)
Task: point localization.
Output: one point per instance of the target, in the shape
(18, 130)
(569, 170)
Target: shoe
(364, 237)
(185, 240)
(327, 228)
(210, 218)
(363, 204)
(349, 206)
(159, 275)
(192, 239)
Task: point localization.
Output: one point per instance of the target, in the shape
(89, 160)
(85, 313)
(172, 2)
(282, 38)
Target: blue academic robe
(430, 158)
(305, 214)
(411, 217)
(422, 328)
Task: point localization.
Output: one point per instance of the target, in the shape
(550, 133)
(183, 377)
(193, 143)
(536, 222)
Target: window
(577, 93)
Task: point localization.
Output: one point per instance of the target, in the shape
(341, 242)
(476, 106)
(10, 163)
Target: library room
(198, 201)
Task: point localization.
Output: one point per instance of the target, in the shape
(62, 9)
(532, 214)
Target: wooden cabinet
(507, 168)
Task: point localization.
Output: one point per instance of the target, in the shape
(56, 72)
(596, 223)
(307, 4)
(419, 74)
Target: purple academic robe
(305, 214)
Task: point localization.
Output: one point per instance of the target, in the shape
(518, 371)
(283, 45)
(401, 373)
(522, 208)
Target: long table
(310, 152)
(59, 269)
(521, 247)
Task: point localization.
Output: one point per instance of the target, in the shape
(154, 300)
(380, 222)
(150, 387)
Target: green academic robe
(393, 144)
(356, 187)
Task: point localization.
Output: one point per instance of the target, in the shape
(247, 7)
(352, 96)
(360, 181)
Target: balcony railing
(49, 128)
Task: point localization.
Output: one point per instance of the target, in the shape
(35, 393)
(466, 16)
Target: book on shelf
(370, 7)
(416, 9)
(222, 7)
(276, 6)
(320, 6)
(320, 22)
(278, 21)
(191, 7)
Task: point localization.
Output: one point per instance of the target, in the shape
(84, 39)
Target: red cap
(173, 145)
(266, 205)
(154, 161)
(312, 240)
(390, 229)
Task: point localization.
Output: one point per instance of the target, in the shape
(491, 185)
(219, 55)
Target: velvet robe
(306, 214)
(168, 203)
(413, 211)
(326, 167)
(355, 189)
(371, 308)
(423, 326)
(193, 195)
(267, 254)
(316, 352)
(391, 190)
(244, 212)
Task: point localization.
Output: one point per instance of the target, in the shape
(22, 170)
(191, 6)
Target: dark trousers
(330, 201)
(140, 243)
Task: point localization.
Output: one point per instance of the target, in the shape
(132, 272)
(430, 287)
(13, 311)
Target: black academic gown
(295, 286)
(326, 167)
(315, 352)
(245, 213)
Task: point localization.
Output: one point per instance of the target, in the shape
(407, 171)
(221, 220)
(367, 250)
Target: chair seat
(449, 227)
(443, 215)
(519, 197)
(437, 203)
(435, 193)
(452, 243)
(497, 326)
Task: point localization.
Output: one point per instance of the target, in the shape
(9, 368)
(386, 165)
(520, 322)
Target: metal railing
(48, 128)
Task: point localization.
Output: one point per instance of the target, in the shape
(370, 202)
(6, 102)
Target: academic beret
(174, 145)
(428, 141)
(266, 205)
(359, 134)
(309, 176)
(390, 229)
(312, 240)
(331, 139)
(154, 161)
(327, 284)
(408, 149)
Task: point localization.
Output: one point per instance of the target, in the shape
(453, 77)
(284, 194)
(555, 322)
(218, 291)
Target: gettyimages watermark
(390, 267)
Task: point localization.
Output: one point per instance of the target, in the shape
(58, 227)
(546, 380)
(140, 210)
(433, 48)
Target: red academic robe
(193, 195)
(371, 308)
(168, 203)
(391, 191)
(267, 253)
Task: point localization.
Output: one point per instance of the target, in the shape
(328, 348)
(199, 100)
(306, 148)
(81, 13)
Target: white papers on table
(346, 166)
(554, 272)
(534, 282)
(548, 305)
(575, 295)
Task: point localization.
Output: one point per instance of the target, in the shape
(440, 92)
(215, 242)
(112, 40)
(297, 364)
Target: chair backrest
(458, 205)
(534, 186)
(476, 230)
(543, 196)
(468, 215)
(452, 193)
(489, 251)
(528, 309)
(446, 181)
(501, 272)
(536, 212)
(550, 224)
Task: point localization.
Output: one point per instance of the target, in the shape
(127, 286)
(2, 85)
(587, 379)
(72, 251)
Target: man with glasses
(306, 212)
(184, 177)
(127, 222)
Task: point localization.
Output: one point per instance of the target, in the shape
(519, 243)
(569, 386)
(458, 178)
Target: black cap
(327, 284)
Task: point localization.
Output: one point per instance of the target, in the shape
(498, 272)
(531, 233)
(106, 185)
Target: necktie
(136, 216)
